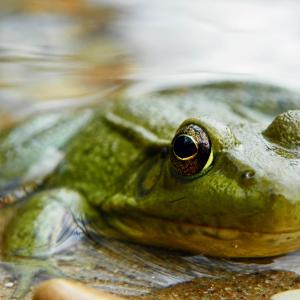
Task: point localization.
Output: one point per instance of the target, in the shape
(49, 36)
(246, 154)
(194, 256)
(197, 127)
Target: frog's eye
(191, 151)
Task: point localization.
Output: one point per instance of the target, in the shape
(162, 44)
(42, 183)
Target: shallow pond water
(66, 53)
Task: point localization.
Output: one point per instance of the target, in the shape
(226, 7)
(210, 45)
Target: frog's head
(221, 190)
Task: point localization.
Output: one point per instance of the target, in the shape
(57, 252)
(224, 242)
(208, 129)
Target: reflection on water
(175, 40)
(55, 55)
(68, 49)
(66, 52)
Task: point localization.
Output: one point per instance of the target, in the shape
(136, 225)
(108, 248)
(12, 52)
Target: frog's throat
(219, 242)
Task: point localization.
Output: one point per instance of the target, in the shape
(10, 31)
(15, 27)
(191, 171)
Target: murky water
(61, 53)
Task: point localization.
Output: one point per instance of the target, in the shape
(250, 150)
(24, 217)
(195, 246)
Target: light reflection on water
(67, 57)
(204, 40)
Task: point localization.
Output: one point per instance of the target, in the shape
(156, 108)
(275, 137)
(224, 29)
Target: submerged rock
(62, 289)
(287, 295)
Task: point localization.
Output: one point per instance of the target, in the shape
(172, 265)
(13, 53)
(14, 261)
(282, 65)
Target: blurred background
(69, 51)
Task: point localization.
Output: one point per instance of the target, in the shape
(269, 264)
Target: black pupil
(184, 146)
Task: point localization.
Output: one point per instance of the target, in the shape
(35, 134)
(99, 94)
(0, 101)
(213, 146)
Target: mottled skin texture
(109, 171)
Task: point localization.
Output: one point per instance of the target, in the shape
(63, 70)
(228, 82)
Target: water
(204, 40)
(61, 53)
(55, 52)
(71, 49)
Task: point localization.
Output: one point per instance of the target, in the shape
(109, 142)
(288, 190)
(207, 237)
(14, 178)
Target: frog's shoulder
(33, 148)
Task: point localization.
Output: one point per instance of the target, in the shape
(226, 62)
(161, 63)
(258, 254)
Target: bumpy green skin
(110, 168)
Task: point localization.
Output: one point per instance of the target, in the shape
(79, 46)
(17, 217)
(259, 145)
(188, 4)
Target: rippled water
(60, 53)
(75, 49)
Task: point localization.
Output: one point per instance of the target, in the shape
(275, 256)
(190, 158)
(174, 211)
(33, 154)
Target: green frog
(211, 169)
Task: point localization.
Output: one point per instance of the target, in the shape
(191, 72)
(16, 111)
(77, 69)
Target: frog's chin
(198, 239)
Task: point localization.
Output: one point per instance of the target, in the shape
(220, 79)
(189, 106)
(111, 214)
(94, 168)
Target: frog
(212, 168)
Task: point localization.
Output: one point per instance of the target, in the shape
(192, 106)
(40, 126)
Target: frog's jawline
(219, 242)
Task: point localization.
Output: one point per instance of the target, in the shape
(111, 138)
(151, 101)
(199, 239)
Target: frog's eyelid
(136, 132)
(220, 135)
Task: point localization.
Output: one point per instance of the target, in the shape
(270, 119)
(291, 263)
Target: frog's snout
(285, 129)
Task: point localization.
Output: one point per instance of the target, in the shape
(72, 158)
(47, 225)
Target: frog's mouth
(200, 239)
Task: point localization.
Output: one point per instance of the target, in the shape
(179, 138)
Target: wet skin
(213, 169)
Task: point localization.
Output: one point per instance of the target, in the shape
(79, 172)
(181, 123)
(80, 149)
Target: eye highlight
(191, 150)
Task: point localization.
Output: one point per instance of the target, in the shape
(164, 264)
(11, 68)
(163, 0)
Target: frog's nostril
(248, 174)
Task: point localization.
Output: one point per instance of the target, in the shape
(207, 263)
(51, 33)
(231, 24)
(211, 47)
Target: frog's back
(228, 102)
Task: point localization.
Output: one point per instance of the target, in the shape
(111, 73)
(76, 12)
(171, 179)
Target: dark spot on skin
(87, 151)
(269, 148)
(164, 152)
(177, 200)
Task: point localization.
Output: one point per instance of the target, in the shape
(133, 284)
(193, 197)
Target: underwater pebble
(287, 295)
(61, 289)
